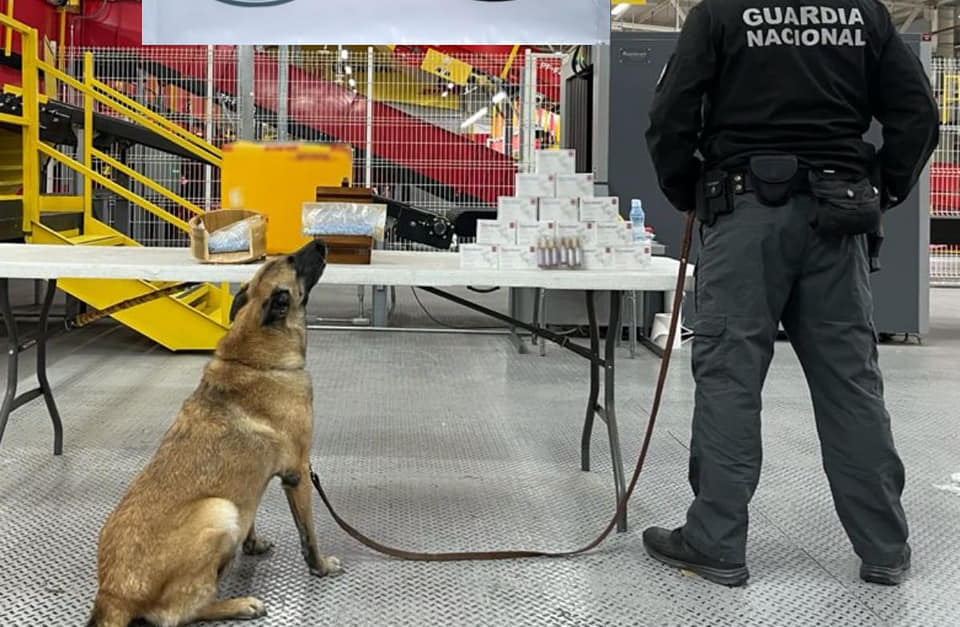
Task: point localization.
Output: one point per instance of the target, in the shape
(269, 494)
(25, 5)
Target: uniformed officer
(776, 95)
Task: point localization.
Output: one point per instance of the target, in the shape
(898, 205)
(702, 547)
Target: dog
(163, 549)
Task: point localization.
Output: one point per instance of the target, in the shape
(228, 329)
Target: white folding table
(429, 271)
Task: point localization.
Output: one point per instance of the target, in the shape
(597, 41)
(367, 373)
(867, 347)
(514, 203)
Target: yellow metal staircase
(194, 319)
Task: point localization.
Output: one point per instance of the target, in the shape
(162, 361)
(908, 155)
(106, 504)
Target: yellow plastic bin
(275, 179)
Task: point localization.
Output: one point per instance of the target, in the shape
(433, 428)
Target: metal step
(62, 221)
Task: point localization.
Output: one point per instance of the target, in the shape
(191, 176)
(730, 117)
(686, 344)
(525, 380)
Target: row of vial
(562, 252)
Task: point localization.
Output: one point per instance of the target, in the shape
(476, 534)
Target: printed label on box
(575, 185)
(496, 233)
(608, 233)
(576, 231)
(555, 161)
(600, 258)
(536, 185)
(600, 209)
(560, 210)
(518, 258)
(517, 209)
(479, 257)
(530, 234)
(631, 257)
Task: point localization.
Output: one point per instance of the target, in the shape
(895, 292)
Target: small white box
(496, 233)
(536, 185)
(479, 257)
(608, 233)
(574, 231)
(600, 258)
(530, 234)
(590, 235)
(624, 234)
(518, 258)
(631, 257)
(575, 185)
(560, 210)
(517, 208)
(556, 161)
(600, 209)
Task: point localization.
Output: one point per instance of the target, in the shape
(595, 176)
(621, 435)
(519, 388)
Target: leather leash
(96, 314)
(621, 506)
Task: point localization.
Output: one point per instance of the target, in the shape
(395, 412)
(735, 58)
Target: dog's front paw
(328, 566)
(256, 546)
(250, 608)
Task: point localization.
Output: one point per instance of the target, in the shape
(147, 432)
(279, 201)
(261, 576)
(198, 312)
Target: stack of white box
(555, 202)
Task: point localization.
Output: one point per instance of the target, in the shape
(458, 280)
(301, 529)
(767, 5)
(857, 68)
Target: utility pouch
(714, 197)
(774, 178)
(845, 207)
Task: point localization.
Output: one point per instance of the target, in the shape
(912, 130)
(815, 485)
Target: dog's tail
(110, 612)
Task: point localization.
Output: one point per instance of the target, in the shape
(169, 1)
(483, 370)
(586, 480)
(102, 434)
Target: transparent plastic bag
(344, 218)
(233, 238)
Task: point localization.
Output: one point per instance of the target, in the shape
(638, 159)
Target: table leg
(42, 369)
(594, 381)
(13, 355)
(10, 400)
(609, 402)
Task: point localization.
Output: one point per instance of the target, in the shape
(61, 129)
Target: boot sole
(731, 577)
(884, 575)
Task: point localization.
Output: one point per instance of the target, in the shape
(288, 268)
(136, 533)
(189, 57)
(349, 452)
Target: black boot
(672, 549)
(889, 575)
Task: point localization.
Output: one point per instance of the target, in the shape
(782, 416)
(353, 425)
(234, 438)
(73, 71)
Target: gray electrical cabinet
(621, 87)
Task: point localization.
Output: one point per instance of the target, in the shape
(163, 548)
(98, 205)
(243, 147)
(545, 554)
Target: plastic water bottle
(637, 218)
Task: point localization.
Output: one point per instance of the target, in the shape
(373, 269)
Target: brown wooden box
(348, 249)
(215, 220)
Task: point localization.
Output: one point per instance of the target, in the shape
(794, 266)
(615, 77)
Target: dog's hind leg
(242, 608)
(110, 612)
(299, 499)
(254, 544)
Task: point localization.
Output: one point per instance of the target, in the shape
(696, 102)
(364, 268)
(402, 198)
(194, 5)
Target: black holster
(874, 243)
(714, 197)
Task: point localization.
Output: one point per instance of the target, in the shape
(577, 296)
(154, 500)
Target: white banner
(376, 22)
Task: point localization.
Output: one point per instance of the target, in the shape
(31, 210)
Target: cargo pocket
(709, 354)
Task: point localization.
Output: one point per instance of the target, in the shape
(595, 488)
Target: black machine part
(418, 225)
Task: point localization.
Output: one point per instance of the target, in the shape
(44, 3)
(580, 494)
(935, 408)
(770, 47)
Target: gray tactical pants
(759, 266)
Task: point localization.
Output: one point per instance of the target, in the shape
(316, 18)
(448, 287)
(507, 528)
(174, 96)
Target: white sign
(376, 22)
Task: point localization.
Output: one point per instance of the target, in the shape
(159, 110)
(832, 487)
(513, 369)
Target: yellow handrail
(159, 119)
(120, 190)
(146, 182)
(8, 45)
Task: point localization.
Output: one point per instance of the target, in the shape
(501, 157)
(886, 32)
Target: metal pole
(245, 77)
(208, 134)
(368, 173)
(283, 87)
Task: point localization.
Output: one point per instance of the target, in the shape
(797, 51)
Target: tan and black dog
(184, 516)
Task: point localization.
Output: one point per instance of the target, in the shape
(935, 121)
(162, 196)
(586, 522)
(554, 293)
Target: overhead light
(352, 83)
(499, 97)
(445, 94)
(347, 70)
(344, 54)
(450, 86)
(473, 119)
(620, 9)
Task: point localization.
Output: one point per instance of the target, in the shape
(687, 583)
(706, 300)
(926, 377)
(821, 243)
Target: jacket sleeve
(676, 114)
(904, 105)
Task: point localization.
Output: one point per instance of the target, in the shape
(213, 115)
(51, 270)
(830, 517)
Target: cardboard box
(576, 231)
(575, 185)
(555, 161)
(517, 209)
(631, 257)
(600, 209)
(560, 210)
(600, 258)
(608, 233)
(479, 257)
(518, 258)
(536, 185)
(530, 234)
(496, 233)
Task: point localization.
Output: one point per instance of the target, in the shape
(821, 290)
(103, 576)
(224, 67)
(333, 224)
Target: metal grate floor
(453, 442)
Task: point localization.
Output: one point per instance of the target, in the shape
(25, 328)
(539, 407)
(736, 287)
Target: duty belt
(741, 181)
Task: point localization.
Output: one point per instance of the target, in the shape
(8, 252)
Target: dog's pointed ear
(276, 308)
(239, 300)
